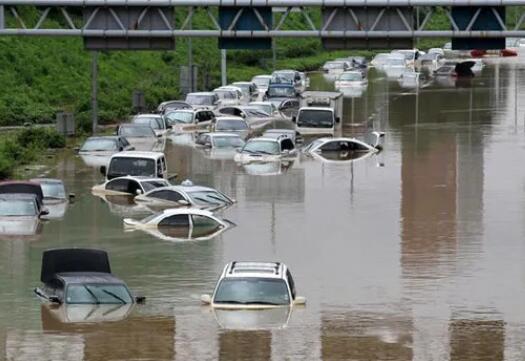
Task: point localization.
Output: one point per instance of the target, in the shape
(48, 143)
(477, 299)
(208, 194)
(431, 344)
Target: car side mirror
(169, 126)
(103, 170)
(76, 149)
(286, 151)
(44, 212)
(294, 119)
(183, 202)
(207, 145)
(138, 192)
(72, 197)
(337, 119)
(140, 300)
(206, 299)
(299, 301)
(54, 299)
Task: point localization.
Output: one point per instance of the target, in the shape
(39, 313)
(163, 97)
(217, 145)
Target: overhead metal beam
(270, 3)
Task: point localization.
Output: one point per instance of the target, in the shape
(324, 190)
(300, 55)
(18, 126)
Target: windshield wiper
(97, 301)
(114, 295)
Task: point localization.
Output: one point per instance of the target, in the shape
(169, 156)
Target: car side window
(291, 283)
(330, 147)
(203, 226)
(160, 168)
(177, 220)
(173, 196)
(229, 111)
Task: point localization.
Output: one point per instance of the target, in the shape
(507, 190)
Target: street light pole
(94, 89)
(224, 78)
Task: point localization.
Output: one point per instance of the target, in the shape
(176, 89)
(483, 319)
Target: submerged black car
(81, 276)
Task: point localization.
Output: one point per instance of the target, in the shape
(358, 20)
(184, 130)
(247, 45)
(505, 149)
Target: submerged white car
(344, 144)
(181, 224)
(185, 195)
(129, 185)
(351, 79)
(254, 285)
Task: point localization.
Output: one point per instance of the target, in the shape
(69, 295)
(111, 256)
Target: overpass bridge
(256, 19)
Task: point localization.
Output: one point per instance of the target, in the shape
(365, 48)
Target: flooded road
(412, 254)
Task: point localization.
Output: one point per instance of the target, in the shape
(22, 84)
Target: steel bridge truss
(362, 19)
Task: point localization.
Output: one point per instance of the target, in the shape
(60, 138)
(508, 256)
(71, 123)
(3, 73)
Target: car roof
(231, 117)
(47, 180)
(262, 76)
(317, 108)
(114, 137)
(138, 154)
(139, 178)
(87, 277)
(134, 125)
(265, 138)
(190, 211)
(202, 93)
(184, 188)
(223, 134)
(242, 269)
(183, 110)
(242, 82)
(260, 103)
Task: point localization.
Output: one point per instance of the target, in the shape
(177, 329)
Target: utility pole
(94, 88)
(190, 54)
(224, 78)
(2, 17)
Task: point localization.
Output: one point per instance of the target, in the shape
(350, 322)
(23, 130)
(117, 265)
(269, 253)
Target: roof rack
(273, 267)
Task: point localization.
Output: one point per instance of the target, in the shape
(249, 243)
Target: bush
(42, 138)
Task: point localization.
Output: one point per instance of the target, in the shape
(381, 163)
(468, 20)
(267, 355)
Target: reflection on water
(421, 259)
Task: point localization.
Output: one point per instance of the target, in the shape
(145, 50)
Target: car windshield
(179, 117)
(227, 142)
(121, 166)
(99, 144)
(261, 147)
(136, 132)
(230, 124)
(351, 77)
(334, 65)
(18, 207)
(53, 190)
(149, 185)
(98, 294)
(408, 54)
(208, 197)
(261, 82)
(315, 119)
(195, 99)
(225, 94)
(252, 291)
(283, 77)
(243, 86)
(281, 92)
(152, 122)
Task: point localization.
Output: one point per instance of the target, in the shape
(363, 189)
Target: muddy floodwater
(416, 253)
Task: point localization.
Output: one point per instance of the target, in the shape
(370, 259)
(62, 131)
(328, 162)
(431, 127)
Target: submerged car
(234, 125)
(272, 147)
(141, 136)
(220, 140)
(55, 196)
(206, 100)
(351, 79)
(180, 224)
(129, 185)
(185, 195)
(155, 121)
(105, 145)
(81, 276)
(172, 105)
(329, 144)
(262, 82)
(254, 285)
(182, 120)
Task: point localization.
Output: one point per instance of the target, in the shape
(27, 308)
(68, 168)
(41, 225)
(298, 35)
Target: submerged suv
(268, 148)
(254, 285)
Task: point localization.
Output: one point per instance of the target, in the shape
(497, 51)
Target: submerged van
(147, 164)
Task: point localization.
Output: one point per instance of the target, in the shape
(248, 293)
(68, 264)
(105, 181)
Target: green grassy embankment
(21, 147)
